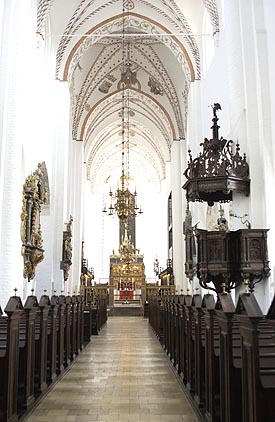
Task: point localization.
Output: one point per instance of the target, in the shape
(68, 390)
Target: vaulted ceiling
(163, 53)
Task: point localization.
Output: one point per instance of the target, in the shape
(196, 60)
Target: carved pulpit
(228, 258)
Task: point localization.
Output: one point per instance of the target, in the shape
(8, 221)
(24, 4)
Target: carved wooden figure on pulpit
(190, 245)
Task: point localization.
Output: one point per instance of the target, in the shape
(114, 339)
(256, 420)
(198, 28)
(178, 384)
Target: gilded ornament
(35, 194)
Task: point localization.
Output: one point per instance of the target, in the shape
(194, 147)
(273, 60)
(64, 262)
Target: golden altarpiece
(127, 272)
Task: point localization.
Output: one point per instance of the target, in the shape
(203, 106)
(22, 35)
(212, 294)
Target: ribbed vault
(164, 53)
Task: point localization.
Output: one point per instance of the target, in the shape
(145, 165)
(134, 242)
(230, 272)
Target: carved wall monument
(35, 194)
(190, 245)
(67, 253)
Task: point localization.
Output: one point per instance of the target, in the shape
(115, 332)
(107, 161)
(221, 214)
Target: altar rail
(224, 355)
(38, 342)
(91, 293)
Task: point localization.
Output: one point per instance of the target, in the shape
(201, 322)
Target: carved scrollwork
(229, 258)
(35, 194)
(218, 170)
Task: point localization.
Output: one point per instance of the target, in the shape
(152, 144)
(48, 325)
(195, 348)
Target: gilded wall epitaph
(35, 194)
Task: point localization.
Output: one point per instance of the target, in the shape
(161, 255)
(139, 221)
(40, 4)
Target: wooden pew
(79, 324)
(177, 343)
(60, 335)
(236, 381)
(189, 336)
(52, 339)
(199, 351)
(95, 318)
(156, 317)
(212, 385)
(230, 360)
(160, 321)
(36, 342)
(27, 355)
(258, 361)
(99, 314)
(173, 317)
(73, 335)
(9, 359)
(102, 311)
(165, 322)
(87, 322)
(66, 302)
(170, 326)
(41, 345)
(182, 370)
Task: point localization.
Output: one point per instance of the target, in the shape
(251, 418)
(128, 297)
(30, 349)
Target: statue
(67, 249)
(222, 224)
(190, 244)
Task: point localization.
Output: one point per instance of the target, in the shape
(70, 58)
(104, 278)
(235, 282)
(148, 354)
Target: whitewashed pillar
(249, 101)
(177, 213)
(76, 200)
(49, 274)
(15, 21)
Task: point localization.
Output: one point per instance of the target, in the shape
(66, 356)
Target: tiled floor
(122, 375)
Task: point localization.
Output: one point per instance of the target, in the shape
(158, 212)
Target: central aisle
(122, 375)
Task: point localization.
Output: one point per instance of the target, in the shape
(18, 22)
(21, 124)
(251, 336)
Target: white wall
(239, 78)
(34, 127)
(101, 232)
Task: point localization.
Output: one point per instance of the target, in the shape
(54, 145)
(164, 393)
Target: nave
(123, 374)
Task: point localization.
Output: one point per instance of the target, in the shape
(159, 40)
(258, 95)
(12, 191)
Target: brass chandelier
(123, 202)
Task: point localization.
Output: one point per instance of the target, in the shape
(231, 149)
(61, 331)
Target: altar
(126, 295)
(127, 274)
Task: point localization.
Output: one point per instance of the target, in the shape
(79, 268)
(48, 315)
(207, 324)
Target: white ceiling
(160, 37)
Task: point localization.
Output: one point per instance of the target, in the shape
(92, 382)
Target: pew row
(38, 341)
(224, 354)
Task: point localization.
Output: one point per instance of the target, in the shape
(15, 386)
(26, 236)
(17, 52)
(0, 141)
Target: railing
(90, 293)
(127, 296)
(152, 291)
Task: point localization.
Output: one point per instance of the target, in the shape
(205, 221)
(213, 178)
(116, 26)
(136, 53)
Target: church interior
(137, 241)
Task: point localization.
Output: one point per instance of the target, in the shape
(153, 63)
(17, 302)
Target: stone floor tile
(123, 375)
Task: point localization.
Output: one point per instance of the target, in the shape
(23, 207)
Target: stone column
(249, 99)
(177, 213)
(49, 275)
(75, 203)
(15, 21)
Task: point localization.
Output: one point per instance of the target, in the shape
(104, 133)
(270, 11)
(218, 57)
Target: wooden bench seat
(9, 359)
(37, 341)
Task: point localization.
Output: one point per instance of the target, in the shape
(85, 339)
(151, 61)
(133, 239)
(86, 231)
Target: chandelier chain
(123, 202)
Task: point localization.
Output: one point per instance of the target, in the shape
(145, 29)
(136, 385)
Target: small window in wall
(170, 239)
(170, 210)
(170, 221)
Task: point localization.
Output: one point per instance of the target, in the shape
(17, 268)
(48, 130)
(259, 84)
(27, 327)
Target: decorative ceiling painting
(164, 57)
